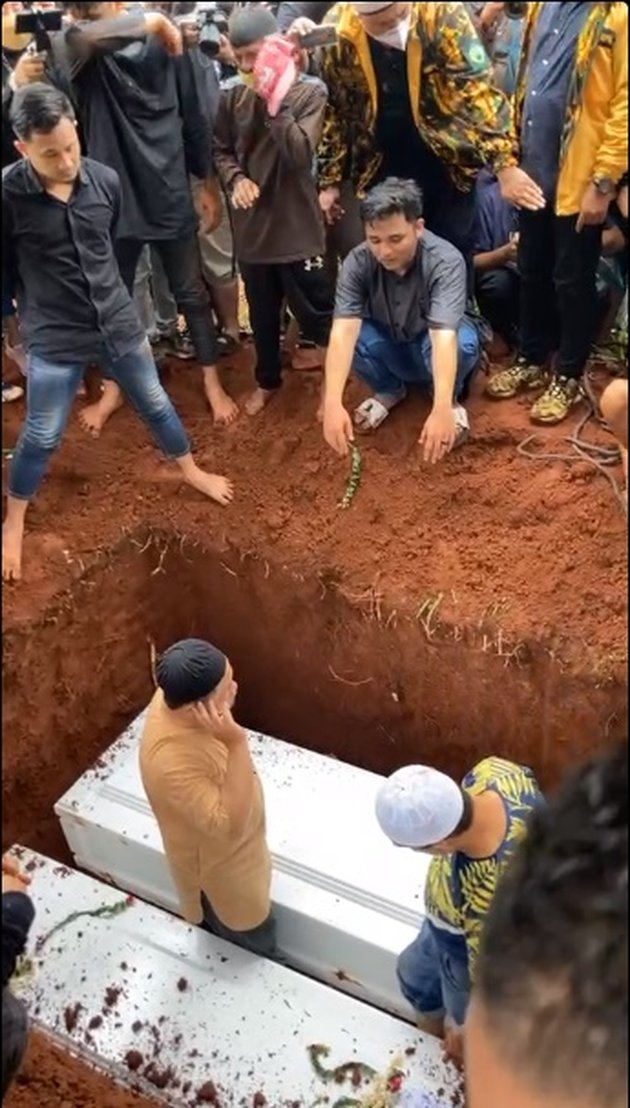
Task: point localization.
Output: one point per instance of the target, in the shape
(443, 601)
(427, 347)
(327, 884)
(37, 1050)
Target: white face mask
(397, 36)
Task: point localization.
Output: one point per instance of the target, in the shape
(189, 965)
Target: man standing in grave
(207, 798)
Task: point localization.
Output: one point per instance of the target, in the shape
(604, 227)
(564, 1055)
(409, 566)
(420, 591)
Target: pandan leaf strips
(355, 477)
(107, 911)
(348, 1071)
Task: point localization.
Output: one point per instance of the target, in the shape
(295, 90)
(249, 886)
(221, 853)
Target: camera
(39, 24)
(212, 23)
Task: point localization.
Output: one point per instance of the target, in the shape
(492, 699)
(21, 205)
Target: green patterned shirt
(460, 889)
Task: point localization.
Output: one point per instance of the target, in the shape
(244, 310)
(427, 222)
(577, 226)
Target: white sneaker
(11, 393)
(462, 423)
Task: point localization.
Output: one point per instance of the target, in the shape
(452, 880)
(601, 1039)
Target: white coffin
(208, 1010)
(347, 901)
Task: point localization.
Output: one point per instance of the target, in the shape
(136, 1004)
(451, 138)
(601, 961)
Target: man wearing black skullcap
(207, 798)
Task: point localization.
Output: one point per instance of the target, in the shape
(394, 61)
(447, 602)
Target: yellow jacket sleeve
(612, 156)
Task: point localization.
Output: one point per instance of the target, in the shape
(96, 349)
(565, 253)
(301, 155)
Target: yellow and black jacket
(464, 120)
(595, 137)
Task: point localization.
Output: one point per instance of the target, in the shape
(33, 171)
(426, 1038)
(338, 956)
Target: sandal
(227, 345)
(369, 416)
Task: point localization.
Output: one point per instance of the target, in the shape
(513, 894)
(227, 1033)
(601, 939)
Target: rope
(601, 457)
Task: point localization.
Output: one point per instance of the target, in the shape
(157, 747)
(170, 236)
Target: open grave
(387, 635)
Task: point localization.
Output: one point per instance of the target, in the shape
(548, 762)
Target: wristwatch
(604, 185)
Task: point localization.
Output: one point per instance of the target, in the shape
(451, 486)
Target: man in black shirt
(59, 222)
(140, 114)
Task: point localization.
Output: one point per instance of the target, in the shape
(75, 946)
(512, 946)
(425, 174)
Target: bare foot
(258, 401)
(94, 416)
(12, 539)
(223, 408)
(217, 488)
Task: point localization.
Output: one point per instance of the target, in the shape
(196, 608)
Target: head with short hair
(392, 216)
(192, 671)
(248, 29)
(548, 1022)
(422, 809)
(43, 119)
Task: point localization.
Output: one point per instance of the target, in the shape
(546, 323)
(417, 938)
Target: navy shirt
(496, 220)
(58, 261)
(551, 66)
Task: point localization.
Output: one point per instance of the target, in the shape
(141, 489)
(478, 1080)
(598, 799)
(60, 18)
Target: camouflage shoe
(519, 377)
(556, 402)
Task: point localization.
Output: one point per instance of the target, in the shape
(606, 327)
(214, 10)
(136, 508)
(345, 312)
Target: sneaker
(179, 345)
(556, 402)
(519, 377)
(462, 423)
(11, 393)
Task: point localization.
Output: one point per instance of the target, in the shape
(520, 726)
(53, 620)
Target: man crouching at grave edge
(207, 798)
(472, 831)
(400, 320)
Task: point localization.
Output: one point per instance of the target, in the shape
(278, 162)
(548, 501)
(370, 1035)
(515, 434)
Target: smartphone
(319, 36)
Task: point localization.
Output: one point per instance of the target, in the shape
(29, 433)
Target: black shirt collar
(33, 183)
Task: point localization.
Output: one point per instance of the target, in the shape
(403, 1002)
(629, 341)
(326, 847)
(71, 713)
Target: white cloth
(397, 36)
(372, 8)
(419, 807)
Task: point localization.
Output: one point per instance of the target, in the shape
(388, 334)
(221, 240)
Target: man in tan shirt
(207, 798)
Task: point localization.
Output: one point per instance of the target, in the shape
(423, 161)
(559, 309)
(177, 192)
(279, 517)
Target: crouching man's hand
(438, 434)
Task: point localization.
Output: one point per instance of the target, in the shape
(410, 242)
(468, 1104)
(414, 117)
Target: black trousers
(558, 267)
(260, 940)
(182, 266)
(308, 291)
(498, 296)
(14, 1037)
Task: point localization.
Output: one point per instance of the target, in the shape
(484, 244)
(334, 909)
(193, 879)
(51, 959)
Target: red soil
(545, 540)
(51, 1078)
(536, 551)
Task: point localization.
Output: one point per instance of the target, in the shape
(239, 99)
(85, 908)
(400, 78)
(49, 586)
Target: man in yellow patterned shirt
(472, 830)
(411, 95)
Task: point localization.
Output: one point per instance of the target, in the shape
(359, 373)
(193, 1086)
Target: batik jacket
(595, 137)
(464, 120)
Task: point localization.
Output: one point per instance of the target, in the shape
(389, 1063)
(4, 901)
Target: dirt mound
(52, 1078)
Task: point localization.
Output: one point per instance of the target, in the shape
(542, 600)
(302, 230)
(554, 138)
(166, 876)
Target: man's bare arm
(343, 340)
(439, 432)
(338, 430)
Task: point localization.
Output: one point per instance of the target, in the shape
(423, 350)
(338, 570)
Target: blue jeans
(52, 387)
(388, 366)
(433, 974)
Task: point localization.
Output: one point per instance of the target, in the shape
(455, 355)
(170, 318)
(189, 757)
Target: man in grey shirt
(400, 320)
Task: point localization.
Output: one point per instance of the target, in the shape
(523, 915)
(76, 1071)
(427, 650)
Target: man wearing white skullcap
(473, 831)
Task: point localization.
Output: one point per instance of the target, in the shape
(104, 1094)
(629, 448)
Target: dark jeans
(388, 366)
(181, 261)
(307, 289)
(558, 268)
(260, 940)
(14, 1037)
(498, 297)
(51, 390)
(433, 974)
